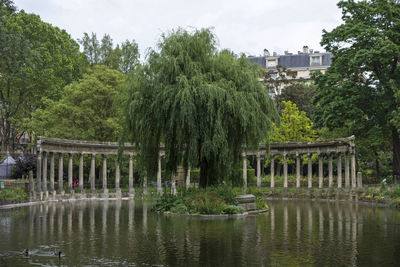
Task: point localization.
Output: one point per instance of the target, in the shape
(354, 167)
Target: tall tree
(130, 56)
(37, 60)
(361, 87)
(88, 109)
(204, 105)
(91, 48)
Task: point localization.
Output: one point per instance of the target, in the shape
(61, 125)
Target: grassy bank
(13, 195)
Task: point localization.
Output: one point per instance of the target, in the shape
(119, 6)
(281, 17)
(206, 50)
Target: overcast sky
(241, 26)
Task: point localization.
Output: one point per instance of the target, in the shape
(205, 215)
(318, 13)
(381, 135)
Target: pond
(127, 233)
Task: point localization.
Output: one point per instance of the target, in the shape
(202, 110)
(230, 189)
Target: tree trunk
(396, 154)
(203, 173)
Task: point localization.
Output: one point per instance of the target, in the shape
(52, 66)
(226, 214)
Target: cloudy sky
(242, 26)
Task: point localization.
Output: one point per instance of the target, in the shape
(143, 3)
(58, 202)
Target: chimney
(286, 53)
(305, 49)
(266, 53)
(274, 54)
(311, 51)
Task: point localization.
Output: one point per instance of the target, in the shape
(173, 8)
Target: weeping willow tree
(202, 104)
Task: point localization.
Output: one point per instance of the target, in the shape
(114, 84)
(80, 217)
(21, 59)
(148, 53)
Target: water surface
(127, 233)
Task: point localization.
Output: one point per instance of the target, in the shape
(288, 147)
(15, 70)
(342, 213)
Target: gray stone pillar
(346, 171)
(131, 190)
(81, 173)
(258, 170)
(105, 189)
(285, 172)
(46, 193)
(39, 174)
(70, 188)
(309, 170)
(60, 174)
(339, 170)
(145, 191)
(330, 170)
(31, 186)
(52, 189)
(353, 170)
(92, 175)
(298, 171)
(117, 179)
(244, 158)
(173, 185)
(272, 172)
(320, 171)
(359, 180)
(187, 178)
(159, 186)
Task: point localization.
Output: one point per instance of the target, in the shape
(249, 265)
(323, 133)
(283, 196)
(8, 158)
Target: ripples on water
(127, 233)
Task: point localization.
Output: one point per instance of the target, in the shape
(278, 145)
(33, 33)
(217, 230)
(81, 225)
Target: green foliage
(13, 193)
(294, 125)
(299, 94)
(88, 109)
(204, 105)
(360, 89)
(37, 60)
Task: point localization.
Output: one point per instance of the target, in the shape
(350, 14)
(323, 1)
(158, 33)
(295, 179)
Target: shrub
(24, 164)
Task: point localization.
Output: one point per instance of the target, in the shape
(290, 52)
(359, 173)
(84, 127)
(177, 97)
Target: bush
(24, 164)
(13, 193)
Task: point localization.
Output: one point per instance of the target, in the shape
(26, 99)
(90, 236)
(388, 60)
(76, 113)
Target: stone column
(258, 170)
(320, 171)
(46, 193)
(145, 192)
(309, 171)
(272, 172)
(339, 170)
(60, 174)
(81, 173)
(330, 170)
(244, 158)
(39, 175)
(359, 180)
(32, 193)
(173, 185)
(105, 189)
(159, 186)
(70, 188)
(131, 189)
(92, 175)
(346, 171)
(285, 173)
(353, 170)
(187, 178)
(53, 192)
(298, 172)
(117, 179)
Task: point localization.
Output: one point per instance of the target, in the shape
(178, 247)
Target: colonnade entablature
(48, 148)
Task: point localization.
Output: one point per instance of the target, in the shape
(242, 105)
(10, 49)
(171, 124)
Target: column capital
(104, 156)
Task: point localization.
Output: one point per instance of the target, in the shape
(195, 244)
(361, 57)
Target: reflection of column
(173, 184)
(92, 218)
(70, 188)
(298, 171)
(105, 189)
(144, 217)
(117, 210)
(298, 225)
(93, 174)
(117, 179)
(131, 190)
(285, 172)
(331, 220)
(309, 170)
(272, 172)
(60, 174)
(330, 171)
(104, 221)
(353, 170)
(272, 212)
(52, 174)
(81, 173)
(60, 220)
(346, 171)
(46, 193)
(285, 223)
(131, 215)
(321, 223)
(258, 170)
(159, 187)
(244, 172)
(80, 218)
(51, 219)
(340, 224)
(320, 171)
(339, 170)
(310, 222)
(354, 249)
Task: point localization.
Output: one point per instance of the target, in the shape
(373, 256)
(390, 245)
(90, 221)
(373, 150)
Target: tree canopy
(87, 110)
(361, 87)
(204, 105)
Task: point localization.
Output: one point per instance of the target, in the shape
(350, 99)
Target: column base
(41, 196)
(118, 193)
(46, 195)
(271, 191)
(298, 190)
(145, 192)
(61, 192)
(71, 191)
(53, 194)
(105, 193)
(310, 191)
(131, 192)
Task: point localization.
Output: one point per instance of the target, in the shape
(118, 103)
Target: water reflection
(128, 233)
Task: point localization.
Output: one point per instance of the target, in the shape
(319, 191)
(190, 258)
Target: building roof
(301, 60)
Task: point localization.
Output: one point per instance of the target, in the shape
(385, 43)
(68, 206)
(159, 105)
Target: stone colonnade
(51, 149)
(332, 149)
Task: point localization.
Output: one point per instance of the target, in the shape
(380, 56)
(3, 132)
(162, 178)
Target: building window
(316, 60)
(271, 63)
